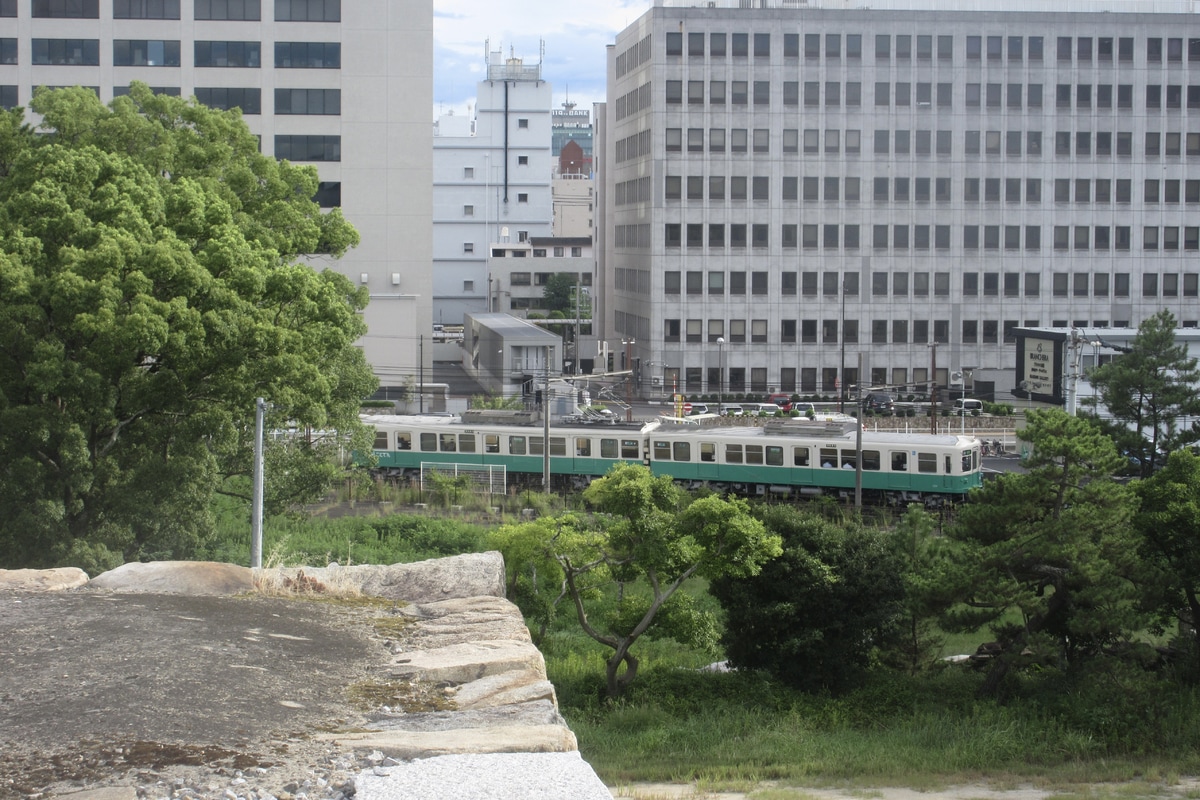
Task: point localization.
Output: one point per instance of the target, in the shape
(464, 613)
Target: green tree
(1169, 523)
(534, 577)
(559, 293)
(813, 617)
(1148, 388)
(644, 533)
(1052, 548)
(149, 290)
(922, 557)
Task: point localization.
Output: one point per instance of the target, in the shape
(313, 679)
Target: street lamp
(841, 378)
(546, 426)
(629, 343)
(720, 369)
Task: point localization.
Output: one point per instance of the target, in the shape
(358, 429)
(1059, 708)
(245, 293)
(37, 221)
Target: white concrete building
(491, 186)
(787, 184)
(344, 86)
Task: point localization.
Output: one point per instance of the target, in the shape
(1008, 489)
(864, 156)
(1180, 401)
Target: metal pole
(841, 379)
(858, 430)
(720, 370)
(421, 373)
(933, 388)
(256, 516)
(629, 380)
(546, 427)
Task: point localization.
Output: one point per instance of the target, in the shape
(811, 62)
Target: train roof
(820, 433)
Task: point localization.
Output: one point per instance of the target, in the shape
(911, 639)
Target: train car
(785, 458)
(811, 458)
(513, 440)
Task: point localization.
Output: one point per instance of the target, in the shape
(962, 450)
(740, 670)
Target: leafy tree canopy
(644, 532)
(1148, 388)
(1169, 523)
(149, 291)
(813, 617)
(1052, 548)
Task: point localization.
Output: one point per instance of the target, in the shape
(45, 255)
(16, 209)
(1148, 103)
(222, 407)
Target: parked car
(782, 399)
(731, 410)
(879, 401)
(968, 405)
(698, 408)
(760, 408)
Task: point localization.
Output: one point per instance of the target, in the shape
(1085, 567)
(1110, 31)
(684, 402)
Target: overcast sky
(575, 34)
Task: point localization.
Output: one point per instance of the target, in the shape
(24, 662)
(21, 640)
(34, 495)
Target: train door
(899, 478)
(707, 466)
(801, 466)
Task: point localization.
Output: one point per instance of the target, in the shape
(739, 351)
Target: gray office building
(789, 184)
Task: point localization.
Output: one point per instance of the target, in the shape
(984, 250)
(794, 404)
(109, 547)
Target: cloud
(574, 59)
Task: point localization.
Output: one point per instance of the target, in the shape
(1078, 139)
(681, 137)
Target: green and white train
(796, 459)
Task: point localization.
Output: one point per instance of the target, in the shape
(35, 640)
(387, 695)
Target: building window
(329, 194)
(228, 9)
(145, 9)
(309, 148)
(67, 52)
(249, 100)
(308, 10)
(468, 247)
(66, 9)
(522, 197)
(308, 55)
(327, 102)
(145, 53)
(228, 54)
(522, 123)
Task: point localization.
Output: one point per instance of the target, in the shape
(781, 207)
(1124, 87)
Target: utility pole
(933, 388)
(546, 426)
(421, 374)
(256, 514)
(858, 430)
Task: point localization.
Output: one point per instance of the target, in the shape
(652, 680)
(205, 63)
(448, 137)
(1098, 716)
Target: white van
(968, 405)
(698, 408)
(731, 410)
(760, 408)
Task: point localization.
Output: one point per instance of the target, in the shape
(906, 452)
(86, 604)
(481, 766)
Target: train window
(899, 461)
(733, 454)
(381, 440)
(774, 456)
(948, 469)
(799, 456)
(662, 451)
(631, 448)
(537, 446)
(848, 459)
(583, 447)
(754, 454)
(927, 462)
(829, 457)
(447, 442)
(558, 445)
(682, 451)
(403, 440)
(429, 442)
(516, 445)
(491, 443)
(708, 452)
(466, 443)
(871, 460)
(608, 448)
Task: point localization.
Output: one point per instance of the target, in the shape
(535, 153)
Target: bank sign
(1039, 365)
